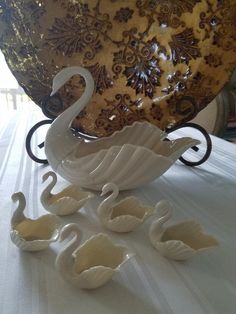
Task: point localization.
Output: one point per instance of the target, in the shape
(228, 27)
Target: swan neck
(47, 192)
(105, 207)
(64, 120)
(165, 217)
(18, 215)
(60, 140)
(65, 260)
(156, 230)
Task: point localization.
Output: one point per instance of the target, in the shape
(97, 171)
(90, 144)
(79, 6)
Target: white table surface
(148, 283)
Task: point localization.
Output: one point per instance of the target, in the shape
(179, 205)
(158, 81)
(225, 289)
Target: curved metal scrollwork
(29, 138)
(195, 148)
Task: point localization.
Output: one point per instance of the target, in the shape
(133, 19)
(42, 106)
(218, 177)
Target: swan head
(66, 74)
(17, 197)
(163, 207)
(110, 187)
(48, 174)
(68, 230)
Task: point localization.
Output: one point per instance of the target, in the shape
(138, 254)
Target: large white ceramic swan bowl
(179, 241)
(92, 264)
(130, 158)
(122, 216)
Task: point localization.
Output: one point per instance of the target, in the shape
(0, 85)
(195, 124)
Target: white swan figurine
(130, 158)
(32, 234)
(66, 202)
(122, 216)
(180, 241)
(92, 264)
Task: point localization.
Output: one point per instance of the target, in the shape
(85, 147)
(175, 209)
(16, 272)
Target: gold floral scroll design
(81, 31)
(138, 61)
(166, 12)
(219, 23)
(119, 112)
(101, 77)
(184, 47)
(177, 81)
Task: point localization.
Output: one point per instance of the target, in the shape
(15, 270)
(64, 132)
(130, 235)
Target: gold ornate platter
(156, 60)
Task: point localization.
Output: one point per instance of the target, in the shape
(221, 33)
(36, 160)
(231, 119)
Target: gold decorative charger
(156, 60)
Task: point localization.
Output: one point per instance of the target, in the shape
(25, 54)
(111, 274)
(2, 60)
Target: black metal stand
(28, 141)
(182, 159)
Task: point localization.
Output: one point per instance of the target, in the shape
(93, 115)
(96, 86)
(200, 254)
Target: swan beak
(103, 193)
(53, 93)
(44, 178)
(16, 195)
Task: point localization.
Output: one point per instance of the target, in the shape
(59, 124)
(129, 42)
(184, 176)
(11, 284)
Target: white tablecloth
(148, 283)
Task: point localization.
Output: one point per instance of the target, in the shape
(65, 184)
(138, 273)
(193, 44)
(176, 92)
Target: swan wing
(93, 277)
(191, 233)
(124, 223)
(131, 206)
(139, 133)
(120, 164)
(174, 249)
(66, 206)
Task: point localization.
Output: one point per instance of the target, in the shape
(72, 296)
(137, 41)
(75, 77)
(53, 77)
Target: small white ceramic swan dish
(66, 202)
(32, 234)
(180, 241)
(92, 264)
(122, 216)
(130, 158)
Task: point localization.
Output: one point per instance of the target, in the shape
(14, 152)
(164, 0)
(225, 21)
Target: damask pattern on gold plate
(160, 61)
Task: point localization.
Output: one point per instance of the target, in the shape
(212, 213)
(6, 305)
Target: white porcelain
(92, 264)
(32, 234)
(180, 241)
(66, 202)
(130, 158)
(122, 216)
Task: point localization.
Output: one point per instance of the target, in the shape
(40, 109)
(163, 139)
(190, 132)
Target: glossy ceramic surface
(160, 61)
(92, 264)
(179, 241)
(124, 215)
(67, 201)
(32, 234)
